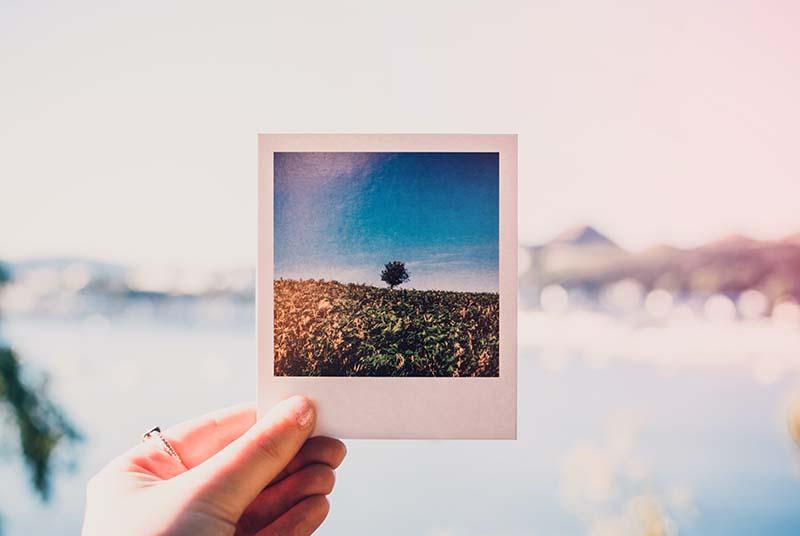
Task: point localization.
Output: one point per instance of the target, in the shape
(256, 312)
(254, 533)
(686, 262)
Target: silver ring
(155, 433)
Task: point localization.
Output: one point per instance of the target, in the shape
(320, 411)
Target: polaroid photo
(387, 282)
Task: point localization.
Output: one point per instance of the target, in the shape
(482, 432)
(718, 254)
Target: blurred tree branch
(40, 424)
(34, 418)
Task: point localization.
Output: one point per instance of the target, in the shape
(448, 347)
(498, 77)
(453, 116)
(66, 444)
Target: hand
(238, 476)
(794, 420)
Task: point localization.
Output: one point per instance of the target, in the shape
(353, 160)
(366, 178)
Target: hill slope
(327, 328)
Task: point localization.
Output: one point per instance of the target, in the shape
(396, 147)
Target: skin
(794, 420)
(239, 477)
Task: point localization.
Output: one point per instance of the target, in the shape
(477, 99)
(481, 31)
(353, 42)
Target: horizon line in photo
(467, 288)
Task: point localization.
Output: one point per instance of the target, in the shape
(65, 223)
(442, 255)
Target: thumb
(234, 476)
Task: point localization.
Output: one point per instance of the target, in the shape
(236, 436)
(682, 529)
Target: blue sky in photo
(341, 216)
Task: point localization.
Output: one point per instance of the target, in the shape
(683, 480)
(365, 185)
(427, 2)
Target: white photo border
(396, 407)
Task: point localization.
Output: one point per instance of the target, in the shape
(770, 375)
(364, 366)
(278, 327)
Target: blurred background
(659, 246)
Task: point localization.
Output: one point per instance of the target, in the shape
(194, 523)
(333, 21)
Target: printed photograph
(386, 264)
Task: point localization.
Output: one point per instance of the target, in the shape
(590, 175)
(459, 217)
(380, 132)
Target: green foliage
(332, 329)
(38, 422)
(394, 273)
(41, 425)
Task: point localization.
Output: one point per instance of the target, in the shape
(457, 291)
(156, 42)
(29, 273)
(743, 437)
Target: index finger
(198, 439)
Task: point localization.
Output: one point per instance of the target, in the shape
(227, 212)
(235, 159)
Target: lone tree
(394, 273)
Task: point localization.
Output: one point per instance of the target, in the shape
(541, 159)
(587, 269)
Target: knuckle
(269, 447)
(321, 505)
(321, 478)
(333, 452)
(340, 453)
(328, 481)
(317, 508)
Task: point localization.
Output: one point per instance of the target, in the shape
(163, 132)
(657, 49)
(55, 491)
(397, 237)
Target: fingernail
(304, 412)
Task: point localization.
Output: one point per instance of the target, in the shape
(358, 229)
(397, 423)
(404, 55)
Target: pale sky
(343, 216)
(128, 133)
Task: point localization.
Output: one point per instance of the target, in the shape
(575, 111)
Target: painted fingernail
(304, 412)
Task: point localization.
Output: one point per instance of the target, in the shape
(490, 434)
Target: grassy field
(325, 328)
